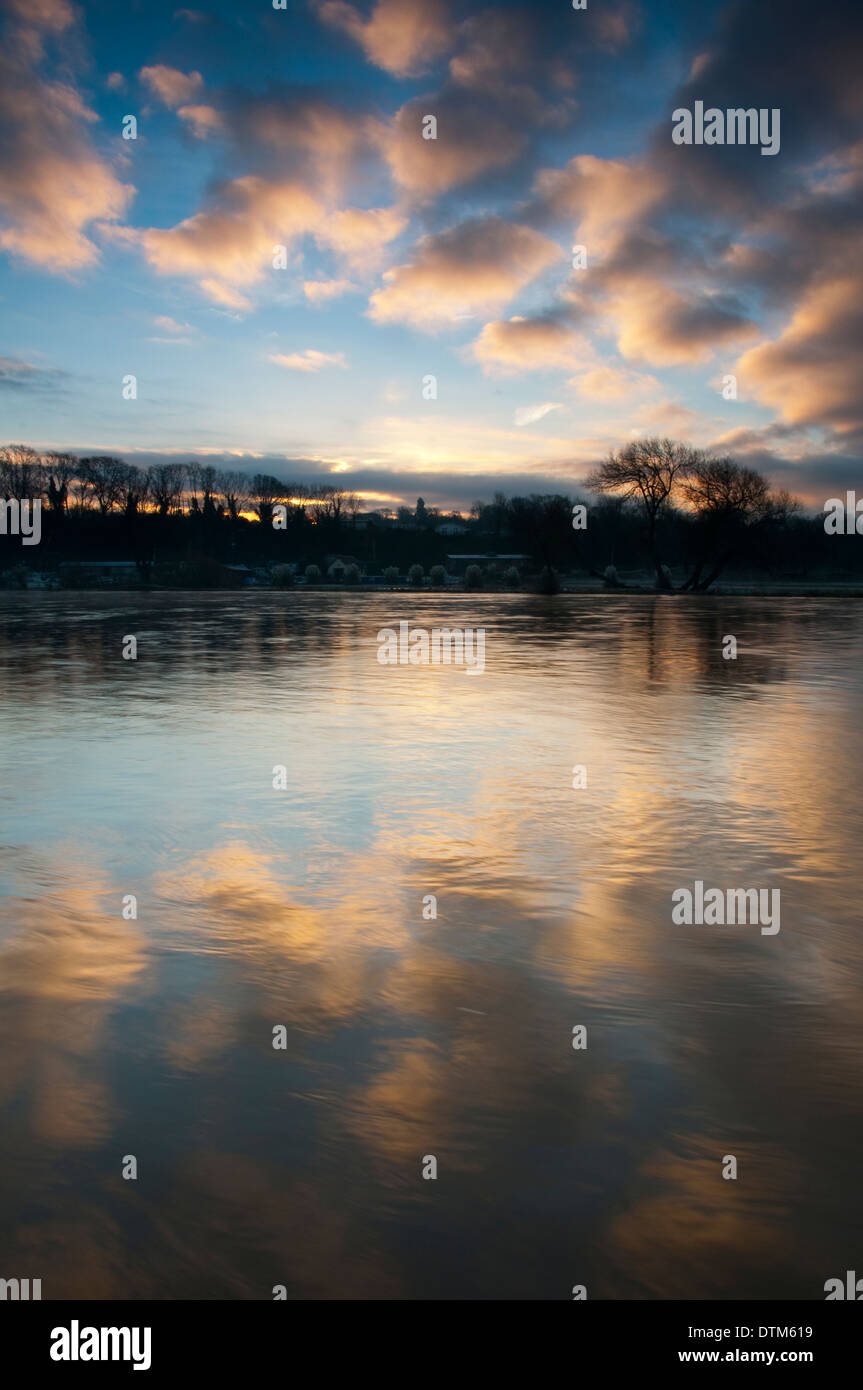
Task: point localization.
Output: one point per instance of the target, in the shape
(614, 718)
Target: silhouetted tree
(727, 500)
(166, 482)
(60, 469)
(541, 526)
(265, 492)
(235, 488)
(21, 472)
(647, 470)
(106, 477)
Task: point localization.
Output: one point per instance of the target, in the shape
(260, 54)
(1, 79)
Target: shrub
(313, 574)
(282, 577)
(473, 577)
(511, 576)
(611, 577)
(336, 572)
(352, 574)
(416, 575)
(548, 582)
(492, 572)
(391, 574)
(437, 575)
(14, 578)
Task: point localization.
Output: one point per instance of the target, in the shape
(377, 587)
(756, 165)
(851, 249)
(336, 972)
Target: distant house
(451, 528)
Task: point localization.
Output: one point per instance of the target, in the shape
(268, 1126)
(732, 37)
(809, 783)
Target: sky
(405, 258)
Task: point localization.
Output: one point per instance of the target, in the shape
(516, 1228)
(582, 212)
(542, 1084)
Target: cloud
(601, 196)
(612, 384)
(655, 290)
(53, 183)
(181, 334)
(172, 87)
(404, 37)
(474, 136)
(169, 325)
(670, 418)
(508, 346)
(319, 291)
(49, 16)
(812, 372)
(617, 24)
(498, 50)
(470, 268)
(529, 414)
(359, 235)
(223, 294)
(301, 137)
(309, 360)
(229, 246)
(203, 120)
(770, 53)
(509, 79)
(658, 324)
(18, 375)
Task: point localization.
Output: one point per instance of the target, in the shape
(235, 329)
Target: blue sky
(407, 257)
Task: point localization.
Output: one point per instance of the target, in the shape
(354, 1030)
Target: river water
(409, 1036)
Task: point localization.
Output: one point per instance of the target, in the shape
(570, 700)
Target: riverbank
(569, 587)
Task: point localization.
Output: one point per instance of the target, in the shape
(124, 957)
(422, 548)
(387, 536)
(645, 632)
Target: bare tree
(166, 482)
(81, 488)
(21, 472)
(134, 489)
(234, 487)
(209, 489)
(106, 477)
(334, 504)
(60, 470)
(265, 492)
(194, 485)
(541, 526)
(650, 471)
(728, 501)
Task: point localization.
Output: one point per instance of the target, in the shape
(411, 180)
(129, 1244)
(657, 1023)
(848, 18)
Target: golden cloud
(472, 268)
(507, 346)
(473, 137)
(811, 373)
(401, 36)
(173, 88)
(53, 183)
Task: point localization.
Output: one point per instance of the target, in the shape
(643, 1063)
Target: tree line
(106, 484)
(655, 504)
